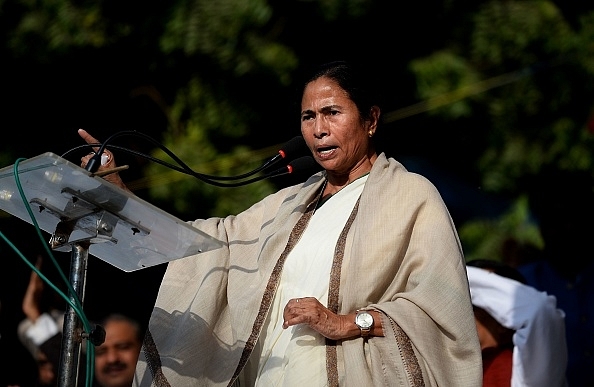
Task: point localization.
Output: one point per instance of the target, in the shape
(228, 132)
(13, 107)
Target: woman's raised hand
(107, 161)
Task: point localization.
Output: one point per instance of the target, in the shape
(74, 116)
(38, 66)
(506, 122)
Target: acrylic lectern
(85, 214)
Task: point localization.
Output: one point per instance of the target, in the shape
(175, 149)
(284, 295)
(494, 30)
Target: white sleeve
(540, 350)
(42, 329)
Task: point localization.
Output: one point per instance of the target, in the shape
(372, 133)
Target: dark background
(105, 92)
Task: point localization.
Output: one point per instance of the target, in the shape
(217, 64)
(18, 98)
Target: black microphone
(293, 147)
(290, 149)
(95, 161)
(297, 165)
(301, 164)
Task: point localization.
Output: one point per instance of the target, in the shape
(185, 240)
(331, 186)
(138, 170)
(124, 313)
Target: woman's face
(334, 130)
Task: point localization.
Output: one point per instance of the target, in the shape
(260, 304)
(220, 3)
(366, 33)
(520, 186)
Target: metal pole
(73, 329)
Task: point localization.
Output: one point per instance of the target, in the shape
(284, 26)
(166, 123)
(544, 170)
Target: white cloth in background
(42, 329)
(34, 333)
(540, 350)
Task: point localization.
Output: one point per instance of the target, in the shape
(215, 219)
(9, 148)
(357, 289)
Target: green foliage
(535, 75)
(230, 33)
(214, 54)
(56, 25)
(518, 33)
(444, 81)
(345, 9)
(509, 91)
(533, 119)
(485, 238)
(208, 108)
(195, 113)
(230, 42)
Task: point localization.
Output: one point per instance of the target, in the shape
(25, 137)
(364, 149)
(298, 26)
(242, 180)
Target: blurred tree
(504, 88)
(518, 81)
(234, 55)
(211, 56)
(507, 84)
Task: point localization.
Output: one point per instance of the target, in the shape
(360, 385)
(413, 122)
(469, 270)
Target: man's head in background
(115, 359)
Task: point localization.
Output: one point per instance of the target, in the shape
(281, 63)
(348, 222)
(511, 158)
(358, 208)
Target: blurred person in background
(116, 358)
(563, 205)
(41, 329)
(521, 330)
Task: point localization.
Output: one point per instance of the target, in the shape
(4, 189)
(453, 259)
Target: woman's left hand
(310, 311)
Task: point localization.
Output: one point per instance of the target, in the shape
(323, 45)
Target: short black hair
(127, 319)
(358, 83)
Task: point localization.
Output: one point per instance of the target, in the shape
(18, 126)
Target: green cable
(76, 305)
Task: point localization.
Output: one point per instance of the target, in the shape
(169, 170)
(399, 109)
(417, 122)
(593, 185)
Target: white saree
(399, 253)
(296, 356)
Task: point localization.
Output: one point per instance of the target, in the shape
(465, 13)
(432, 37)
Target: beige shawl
(399, 254)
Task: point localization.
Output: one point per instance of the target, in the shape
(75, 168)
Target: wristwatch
(364, 320)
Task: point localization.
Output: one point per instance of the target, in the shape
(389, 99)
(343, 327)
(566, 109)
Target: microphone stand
(73, 332)
(94, 213)
(81, 210)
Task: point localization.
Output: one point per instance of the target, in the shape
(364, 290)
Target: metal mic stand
(73, 332)
(82, 210)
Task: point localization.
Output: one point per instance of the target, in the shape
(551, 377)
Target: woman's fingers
(106, 157)
(88, 138)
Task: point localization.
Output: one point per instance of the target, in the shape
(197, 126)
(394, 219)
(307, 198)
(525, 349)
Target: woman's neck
(331, 189)
(336, 182)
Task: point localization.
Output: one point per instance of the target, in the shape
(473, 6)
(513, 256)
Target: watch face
(364, 320)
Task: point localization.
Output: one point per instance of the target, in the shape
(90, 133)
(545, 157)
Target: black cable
(292, 147)
(301, 163)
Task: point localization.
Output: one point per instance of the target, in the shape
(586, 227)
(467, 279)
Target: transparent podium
(85, 215)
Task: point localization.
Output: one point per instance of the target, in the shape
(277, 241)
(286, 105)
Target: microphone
(97, 159)
(293, 147)
(290, 149)
(93, 164)
(297, 165)
(301, 164)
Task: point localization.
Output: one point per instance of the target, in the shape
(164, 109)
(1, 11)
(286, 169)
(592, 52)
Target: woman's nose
(320, 128)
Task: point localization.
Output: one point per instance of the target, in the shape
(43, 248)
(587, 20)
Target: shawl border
(407, 354)
(333, 293)
(153, 360)
(272, 284)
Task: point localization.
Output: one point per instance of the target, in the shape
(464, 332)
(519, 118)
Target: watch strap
(364, 330)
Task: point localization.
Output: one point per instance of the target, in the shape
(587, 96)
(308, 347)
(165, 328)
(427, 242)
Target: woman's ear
(374, 119)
